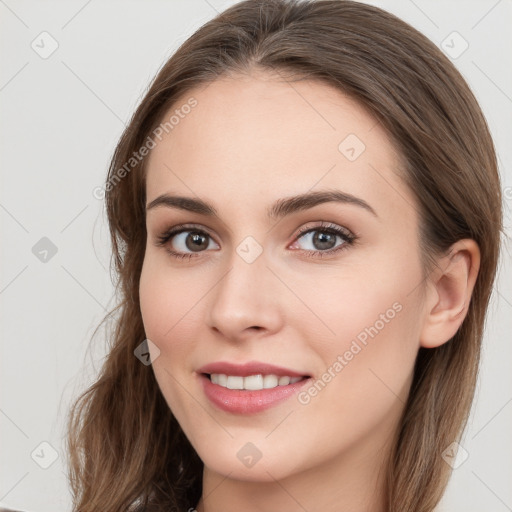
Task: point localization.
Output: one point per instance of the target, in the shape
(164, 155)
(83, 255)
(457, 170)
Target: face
(325, 289)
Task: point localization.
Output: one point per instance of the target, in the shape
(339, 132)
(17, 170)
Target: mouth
(250, 387)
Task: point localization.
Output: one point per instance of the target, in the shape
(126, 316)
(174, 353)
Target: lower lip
(243, 401)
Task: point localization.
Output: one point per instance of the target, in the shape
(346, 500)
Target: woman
(305, 217)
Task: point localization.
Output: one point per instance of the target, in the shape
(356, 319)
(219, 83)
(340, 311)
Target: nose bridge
(245, 295)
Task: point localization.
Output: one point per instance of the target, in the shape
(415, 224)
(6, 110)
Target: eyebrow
(281, 208)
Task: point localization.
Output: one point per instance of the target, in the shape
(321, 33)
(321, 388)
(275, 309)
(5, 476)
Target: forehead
(256, 137)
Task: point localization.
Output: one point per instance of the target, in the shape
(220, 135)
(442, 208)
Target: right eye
(185, 241)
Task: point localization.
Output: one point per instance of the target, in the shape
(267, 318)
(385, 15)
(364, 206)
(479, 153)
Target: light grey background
(61, 117)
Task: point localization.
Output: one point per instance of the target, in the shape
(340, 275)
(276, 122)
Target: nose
(246, 300)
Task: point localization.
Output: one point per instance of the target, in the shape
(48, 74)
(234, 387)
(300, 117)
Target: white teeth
(252, 382)
(270, 381)
(235, 382)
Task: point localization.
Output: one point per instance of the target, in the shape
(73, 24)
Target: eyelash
(347, 237)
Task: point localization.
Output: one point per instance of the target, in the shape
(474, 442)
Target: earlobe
(449, 293)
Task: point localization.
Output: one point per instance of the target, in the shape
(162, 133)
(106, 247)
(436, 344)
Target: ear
(449, 290)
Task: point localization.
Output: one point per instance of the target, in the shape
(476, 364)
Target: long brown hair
(126, 449)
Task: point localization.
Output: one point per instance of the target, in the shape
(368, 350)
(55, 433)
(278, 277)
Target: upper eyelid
(325, 225)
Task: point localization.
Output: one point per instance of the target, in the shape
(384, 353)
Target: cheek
(360, 295)
(167, 308)
(365, 373)
(371, 319)
(167, 300)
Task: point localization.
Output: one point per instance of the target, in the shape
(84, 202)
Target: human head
(435, 124)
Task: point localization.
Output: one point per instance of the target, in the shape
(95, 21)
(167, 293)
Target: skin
(252, 140)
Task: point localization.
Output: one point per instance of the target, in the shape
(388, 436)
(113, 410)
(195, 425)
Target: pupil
(196, 242)
(323, 240)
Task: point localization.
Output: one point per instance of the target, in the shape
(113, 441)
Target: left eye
(321, 239)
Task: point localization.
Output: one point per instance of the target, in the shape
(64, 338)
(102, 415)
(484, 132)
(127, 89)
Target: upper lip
(246, 369)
